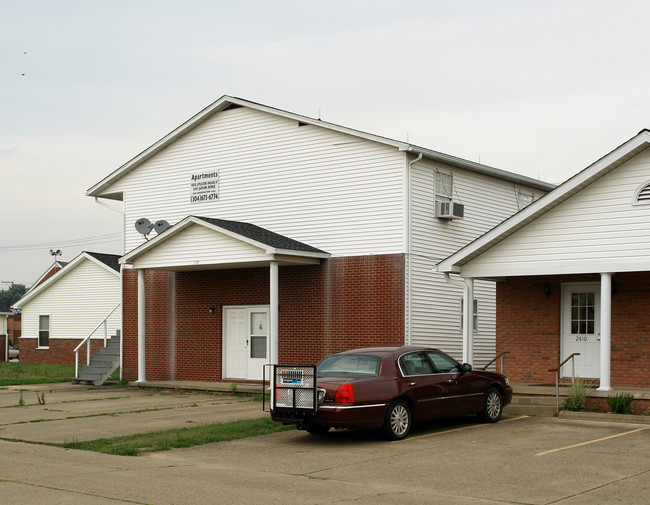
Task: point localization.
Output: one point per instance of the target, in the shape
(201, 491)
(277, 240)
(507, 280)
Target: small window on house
(43, 331)
(642, 194)
(524, 199)
(444, 187)
(474, 316)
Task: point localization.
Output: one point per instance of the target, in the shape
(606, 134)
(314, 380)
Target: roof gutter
(482, 169)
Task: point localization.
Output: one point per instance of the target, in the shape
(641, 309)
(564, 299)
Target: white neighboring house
(64, 309)
(5, 312)
(318, 236)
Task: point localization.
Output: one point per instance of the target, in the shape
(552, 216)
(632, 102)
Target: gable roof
(110, 260)
(229, 102)
(261, 235)
(55, 267)
(106, 261)
(563, 192)
(270, 242)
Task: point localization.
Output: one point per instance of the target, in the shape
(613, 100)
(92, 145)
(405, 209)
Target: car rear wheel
(317, 429)
(493, 406)
(398, 420)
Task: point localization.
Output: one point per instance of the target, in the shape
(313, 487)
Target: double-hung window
(444, 187)
(474, 314)
(43, 330)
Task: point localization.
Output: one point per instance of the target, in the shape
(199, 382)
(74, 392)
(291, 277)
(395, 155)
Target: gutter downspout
(409, 267)
(468, 316)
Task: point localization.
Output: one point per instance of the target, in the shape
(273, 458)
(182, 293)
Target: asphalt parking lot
(520, 460)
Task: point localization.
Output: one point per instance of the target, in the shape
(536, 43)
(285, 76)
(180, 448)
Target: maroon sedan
(387, 388)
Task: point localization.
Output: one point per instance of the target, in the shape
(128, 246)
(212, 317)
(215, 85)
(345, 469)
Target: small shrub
(233, 388)
(577, 396)
(620, 403)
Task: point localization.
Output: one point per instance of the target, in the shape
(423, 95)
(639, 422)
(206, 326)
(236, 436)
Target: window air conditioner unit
(450, 210)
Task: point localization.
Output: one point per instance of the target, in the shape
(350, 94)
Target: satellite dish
(143, 226)
(161, 226)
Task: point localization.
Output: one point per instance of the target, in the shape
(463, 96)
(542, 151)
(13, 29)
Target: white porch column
(468, 321)
(605, 331)
(141, 328)
(274, 297)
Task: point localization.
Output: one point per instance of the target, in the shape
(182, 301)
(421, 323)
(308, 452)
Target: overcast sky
(542, 88)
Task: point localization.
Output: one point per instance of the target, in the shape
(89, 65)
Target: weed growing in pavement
(21, 402)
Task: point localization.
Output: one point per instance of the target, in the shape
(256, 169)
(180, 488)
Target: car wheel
(493, 406)
(398, 421)
(317, 429)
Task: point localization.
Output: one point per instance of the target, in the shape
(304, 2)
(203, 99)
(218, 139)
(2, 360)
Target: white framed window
(524, 199)
(43, 330)
(444, 189)
(474, 314)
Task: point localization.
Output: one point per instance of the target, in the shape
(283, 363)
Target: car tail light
(344, 394)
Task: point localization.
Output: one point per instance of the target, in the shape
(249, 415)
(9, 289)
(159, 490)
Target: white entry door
(246, 341)
(581, 329)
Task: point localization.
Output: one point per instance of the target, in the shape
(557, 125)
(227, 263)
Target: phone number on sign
(203, 198)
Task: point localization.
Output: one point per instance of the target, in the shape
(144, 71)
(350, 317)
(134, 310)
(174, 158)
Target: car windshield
(352, 364)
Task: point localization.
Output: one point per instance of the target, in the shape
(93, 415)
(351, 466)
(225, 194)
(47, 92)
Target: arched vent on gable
(642, 194)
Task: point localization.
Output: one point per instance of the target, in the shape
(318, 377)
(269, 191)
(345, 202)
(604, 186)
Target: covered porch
(190, 261)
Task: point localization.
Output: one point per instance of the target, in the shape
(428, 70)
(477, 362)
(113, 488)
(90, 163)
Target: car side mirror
(467, 367)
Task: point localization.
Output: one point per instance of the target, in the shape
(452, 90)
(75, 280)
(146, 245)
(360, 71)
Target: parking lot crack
(596, 488)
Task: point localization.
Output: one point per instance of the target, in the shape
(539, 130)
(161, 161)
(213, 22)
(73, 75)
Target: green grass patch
(134, 445)
(15, 374)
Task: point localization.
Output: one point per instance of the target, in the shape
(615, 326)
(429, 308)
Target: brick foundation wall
(60, 352)
(528, 326)
(343, 303)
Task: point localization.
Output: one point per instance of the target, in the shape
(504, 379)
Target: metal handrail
(557, 378)
(500, 355)
(87, 341)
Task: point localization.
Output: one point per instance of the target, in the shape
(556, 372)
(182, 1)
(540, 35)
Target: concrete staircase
(102, 365)
(535, 400)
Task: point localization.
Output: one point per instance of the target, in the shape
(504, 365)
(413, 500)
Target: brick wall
(528, 326)
(342, 303)
(60, 352)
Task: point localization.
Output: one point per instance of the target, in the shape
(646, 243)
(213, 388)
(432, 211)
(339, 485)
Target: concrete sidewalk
(77, 412)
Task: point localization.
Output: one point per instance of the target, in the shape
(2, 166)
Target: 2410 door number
(581, 338)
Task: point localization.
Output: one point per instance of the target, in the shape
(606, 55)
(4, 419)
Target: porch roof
(488, 257)
(204, 243)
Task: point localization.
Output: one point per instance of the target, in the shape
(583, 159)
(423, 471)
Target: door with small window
(246, 341)
(581, 329)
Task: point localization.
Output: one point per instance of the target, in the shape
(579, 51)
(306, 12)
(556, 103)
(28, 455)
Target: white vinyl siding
(196, 245)
(435, 304)
(338, 193)
(597, 229)
(76, 303)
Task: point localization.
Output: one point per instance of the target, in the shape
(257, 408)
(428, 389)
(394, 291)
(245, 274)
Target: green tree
(13, 294)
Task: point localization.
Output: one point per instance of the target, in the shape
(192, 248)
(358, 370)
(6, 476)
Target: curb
(608, 417)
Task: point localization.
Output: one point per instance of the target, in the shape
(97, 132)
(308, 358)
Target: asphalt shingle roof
(111, 260)
(262, 235)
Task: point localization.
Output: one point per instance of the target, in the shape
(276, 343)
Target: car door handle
(412, 383)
